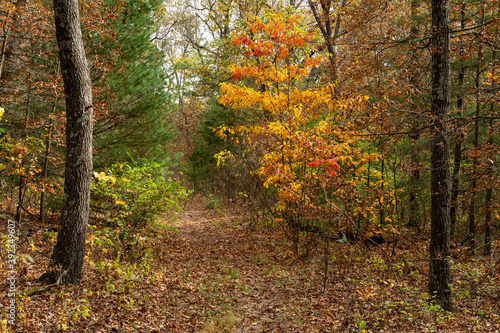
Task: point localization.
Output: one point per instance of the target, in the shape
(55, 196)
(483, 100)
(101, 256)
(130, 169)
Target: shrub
(133, 196)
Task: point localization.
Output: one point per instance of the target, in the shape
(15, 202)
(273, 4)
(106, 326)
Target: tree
(330, 35)
(439, 272)
(70, 248)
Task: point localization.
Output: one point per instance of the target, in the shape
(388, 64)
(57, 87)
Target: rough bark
(69, 251)
(439, 270)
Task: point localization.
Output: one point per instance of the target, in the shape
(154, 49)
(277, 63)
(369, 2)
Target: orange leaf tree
(309, 156)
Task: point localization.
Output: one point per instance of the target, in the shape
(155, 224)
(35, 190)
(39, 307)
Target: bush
(133, 196)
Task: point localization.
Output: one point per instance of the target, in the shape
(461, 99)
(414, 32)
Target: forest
(249, 166)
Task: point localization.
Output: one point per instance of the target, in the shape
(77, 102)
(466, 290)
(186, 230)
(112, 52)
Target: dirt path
(207, 271)
(211, 271)
(241, 264)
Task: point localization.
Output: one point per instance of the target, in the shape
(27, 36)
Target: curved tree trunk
(69, 251)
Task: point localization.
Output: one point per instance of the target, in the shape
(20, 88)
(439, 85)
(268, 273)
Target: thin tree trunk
(489, 174)
(19, 201)
(4, 42)
(459, 136)
(439, 265)
(381, 210)
(330, 36)
(44, 175)
(70, 248)
(489, 195)
(23, 178)
(473, 187)
(415, 136)
(47, 153)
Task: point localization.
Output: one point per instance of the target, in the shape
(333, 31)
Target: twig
(344, 321)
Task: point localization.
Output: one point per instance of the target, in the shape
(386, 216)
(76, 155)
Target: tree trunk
(415, 135)
(47, 153)
(23, 177)
(69, 251)
(4, 42)
(489, 172)
(439, 265)
(331, 36)
(459, 135)
(489, 195)
(473, 187)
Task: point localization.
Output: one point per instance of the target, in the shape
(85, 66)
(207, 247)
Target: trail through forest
(216, 269)
(234, 278)
(243, 275)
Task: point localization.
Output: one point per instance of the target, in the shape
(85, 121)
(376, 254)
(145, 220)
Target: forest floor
(215, 269)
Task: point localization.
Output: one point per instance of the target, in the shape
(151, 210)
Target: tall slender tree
(439, 277)
(69, 251)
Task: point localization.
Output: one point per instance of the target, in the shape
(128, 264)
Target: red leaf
(333, 163)
(313, 164)
(331, 171)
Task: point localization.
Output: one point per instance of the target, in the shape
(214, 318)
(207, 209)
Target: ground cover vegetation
(301, 166)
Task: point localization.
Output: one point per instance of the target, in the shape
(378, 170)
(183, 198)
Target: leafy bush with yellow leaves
(133, 196)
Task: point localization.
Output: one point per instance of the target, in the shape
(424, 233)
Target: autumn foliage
(309, 152)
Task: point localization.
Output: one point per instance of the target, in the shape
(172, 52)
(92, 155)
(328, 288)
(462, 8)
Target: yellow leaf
(120, 202)
(362, 169)
(99, 176)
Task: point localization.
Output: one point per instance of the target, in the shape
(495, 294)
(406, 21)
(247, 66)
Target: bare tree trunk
(331, 36)
(47, 153)
(415, 135)
(69, 251)
(489, 196)
(439, 265)
(22, 177)
(473, 187)
(489, 173)
(44, 175)
(4, 42)
(472, 206)
(459, 136)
